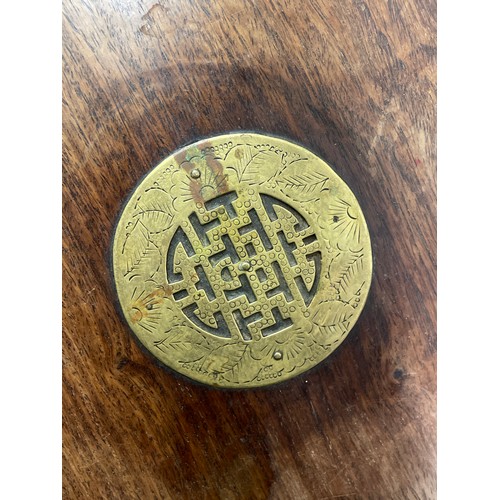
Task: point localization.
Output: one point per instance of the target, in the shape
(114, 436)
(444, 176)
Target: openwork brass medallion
(242, 260)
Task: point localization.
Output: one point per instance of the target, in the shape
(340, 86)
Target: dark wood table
(352, 80)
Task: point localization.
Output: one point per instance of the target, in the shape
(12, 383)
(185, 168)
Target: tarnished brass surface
(242, 260)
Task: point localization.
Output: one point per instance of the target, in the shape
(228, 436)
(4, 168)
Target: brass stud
(244, 266)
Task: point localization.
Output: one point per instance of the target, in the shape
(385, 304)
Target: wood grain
(352, 80)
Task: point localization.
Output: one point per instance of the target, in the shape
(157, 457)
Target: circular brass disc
(242, 260)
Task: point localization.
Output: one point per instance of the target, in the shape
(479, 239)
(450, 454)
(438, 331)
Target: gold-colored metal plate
(242, 260)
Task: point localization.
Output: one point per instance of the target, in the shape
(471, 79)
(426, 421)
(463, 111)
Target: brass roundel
(242, 260)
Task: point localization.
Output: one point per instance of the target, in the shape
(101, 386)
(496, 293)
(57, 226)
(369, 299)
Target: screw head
(244, 266)
(195, 173)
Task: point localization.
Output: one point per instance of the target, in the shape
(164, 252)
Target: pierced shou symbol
(242, 264)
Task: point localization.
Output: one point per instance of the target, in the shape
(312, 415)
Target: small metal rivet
(195, 173)
(278, 355)
(149, 307)
(244, 266)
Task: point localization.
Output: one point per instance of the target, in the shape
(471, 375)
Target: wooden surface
(352, 80)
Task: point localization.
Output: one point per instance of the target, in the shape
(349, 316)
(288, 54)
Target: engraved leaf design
(239, 365)
(307, 183)
(175, 341)
(331, 312)
(147, 265)
(247, 160)
(151, 217)
(156, 217)
(332, 323)
(344, 282)
(197, 352)
(135, 243)
(235, 357)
